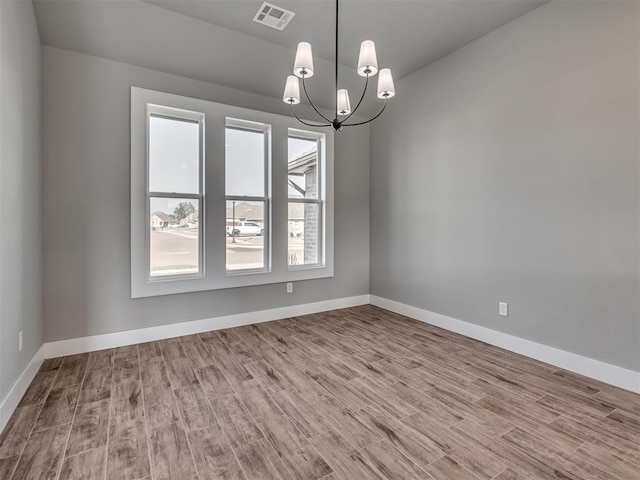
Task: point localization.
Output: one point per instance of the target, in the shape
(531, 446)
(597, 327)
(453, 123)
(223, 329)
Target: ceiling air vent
(272, 16)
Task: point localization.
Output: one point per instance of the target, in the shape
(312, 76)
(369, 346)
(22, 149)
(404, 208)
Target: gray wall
(508, 170)
(20, 264)
(86, 145)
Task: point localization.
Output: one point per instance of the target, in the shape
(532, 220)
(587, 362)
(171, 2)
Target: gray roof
(164, 217)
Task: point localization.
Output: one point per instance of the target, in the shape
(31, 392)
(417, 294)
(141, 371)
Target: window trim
(213, 213)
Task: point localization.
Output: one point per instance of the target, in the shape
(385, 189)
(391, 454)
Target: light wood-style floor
(358, 393)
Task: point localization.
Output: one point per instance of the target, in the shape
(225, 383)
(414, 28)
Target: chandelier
(367, 67)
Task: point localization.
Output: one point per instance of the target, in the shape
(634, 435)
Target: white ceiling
(217, 41)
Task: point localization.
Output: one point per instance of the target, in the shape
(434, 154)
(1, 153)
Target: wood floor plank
(96, 385)
(213, 455)
(470, 454)
(71, 371)
(149, 351)
(7, 466)
(17, 431)
(577, 382)
(387, 462)
(339, 455)
(154, 371)
(260, 461)
(510, 474)
(90, 427)
(507, 454)
(475, 411)
(595, 434)
(304, 416)
(236, 422)
(234, 370)
(268, 376)
(492, 385)
(171, 455)
(572, 402)
(294, 449)
(102, 359)
(378, 393)
(180, 372)
(352, 426)
(126, 369)
(446, 468)
(625, 418)
(51, 364)
(128, 351)
(172, 349)
(160, 405)
(59, 407)
(128, 454)
(42, 454)
(544, 451)
(196, 352)
(621, 399)
(39, 388)
(213, 381)
(90, 465)
(258, 402)
(605, 459)
(340, 388)
(126, 403)
(405, 438)
(195, 410)
(422, 403)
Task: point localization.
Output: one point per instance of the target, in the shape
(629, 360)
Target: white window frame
(213, 209)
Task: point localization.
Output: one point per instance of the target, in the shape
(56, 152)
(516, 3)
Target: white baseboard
(605, 372)
(11, 401)
(130, 337)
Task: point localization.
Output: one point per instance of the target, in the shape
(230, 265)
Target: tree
(183, 210)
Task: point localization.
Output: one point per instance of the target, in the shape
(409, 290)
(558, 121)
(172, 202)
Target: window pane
(245, 227)
(303, 168)
(244, 162)
(174, 155)
(175, 236)
(304, 233)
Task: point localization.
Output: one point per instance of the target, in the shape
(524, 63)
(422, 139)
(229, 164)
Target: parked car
(244, 229)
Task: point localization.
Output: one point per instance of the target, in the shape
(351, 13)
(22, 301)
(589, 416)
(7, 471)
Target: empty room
(319, 239)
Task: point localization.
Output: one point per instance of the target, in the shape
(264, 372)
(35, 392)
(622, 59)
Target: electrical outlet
(290, 287)
(503, 309)
(20, 341)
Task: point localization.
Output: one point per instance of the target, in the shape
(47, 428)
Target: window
(305, 204)
(247, 195)
(225, 197)
(174, 192)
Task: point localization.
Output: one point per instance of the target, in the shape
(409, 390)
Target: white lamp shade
(367, 61)
(385, 84)
(303, 66)
(344, 106)
(292, 90)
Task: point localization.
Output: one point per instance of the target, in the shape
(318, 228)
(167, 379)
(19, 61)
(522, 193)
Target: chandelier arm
(359, 102)
(305, 123)
(304, 86)
(367, 121)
